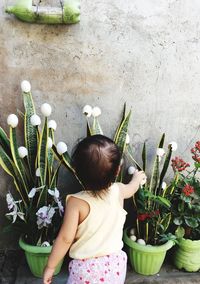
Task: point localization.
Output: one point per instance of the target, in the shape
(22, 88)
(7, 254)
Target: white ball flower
(61, 148)
(49, 143)
(45, 244)
(96, 111)
(22, 151)
(174, 146)
(37, 173)
(133, 238)
(160, 152)
(25, 86)
(131, 170)
(46, 109)
(87, 110)
(35, 120)
(52, 124)
(127, 139)
(12, 120)
(163, 185)
(141, 242)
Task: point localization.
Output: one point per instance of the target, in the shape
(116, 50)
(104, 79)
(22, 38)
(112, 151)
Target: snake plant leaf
(120, 136)
(43, 153)
(50, 152)
(162, 140)
(144, 157)
(165, 165)
(9, 167)
(96, 128)
(89, 130)
(17, 159)
(30, 132)
(54, 179)
(5, 142)
(155, 176)
(130, 156)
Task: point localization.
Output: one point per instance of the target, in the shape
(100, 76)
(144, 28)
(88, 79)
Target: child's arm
(64, 239)
(128, 190)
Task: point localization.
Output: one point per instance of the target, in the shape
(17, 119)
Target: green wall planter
(146, 260)
(37, 258)
(187, 255)
(69, 13)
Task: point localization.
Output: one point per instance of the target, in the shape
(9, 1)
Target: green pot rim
(189, 243)
(142, 248)
(33, 249)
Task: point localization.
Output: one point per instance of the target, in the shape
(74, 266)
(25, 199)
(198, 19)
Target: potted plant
(186, 211)
(35, 207)
(147, 244)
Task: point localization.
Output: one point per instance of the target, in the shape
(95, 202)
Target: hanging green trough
(67, 13)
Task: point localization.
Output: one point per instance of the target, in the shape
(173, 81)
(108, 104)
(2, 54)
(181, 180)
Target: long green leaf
(155, 176)
(5, 142)
(96, 128)
(144, 157)
(122, 119)
(9, 167)
(162, 140)
(43, 153)
(165, 165)
(17, 159)
(130, 156)
(30, 132)
(120, 136)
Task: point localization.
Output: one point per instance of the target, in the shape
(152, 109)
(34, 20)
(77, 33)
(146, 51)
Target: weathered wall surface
(145, 53)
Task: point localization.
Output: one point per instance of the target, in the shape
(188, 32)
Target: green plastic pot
(146, 259)
(187, 255)
(37, 258)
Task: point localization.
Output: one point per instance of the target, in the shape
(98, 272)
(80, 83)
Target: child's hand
(139, 177)
(48, 275)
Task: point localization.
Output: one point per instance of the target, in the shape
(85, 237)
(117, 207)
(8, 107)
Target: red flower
(179, 164)
(188, 190)
(196, 152)
(144, 216)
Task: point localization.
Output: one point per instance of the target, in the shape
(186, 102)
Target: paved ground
(13, 270)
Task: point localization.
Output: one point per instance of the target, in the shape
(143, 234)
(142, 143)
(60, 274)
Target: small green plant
(35, 208)
(186, 195)
(152, 201)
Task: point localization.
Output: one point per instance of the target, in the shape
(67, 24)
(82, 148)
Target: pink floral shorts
(109, 269)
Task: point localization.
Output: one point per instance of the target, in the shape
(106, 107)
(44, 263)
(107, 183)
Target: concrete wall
(145, 53)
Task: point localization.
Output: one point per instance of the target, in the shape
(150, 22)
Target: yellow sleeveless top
(101, 232)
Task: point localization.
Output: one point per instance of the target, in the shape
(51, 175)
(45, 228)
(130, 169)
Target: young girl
(94, 218)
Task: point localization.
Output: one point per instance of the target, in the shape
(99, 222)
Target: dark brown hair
(96, 160)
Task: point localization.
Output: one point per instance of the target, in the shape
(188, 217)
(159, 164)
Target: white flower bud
(160, 152)
(49, 143)
(141, 242)
(46, 109)
(163, 185)
(132, 231)
(87, 110)
(35, 120)
(61, 148)
(32, 192)
(45, 244)
(127, 139)
(133, 238)
(37, 173)
(52, 124)
(131, 170)
(22, 151)
(12, 120)
(96, 111)
(25, 86)
(174, 146)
